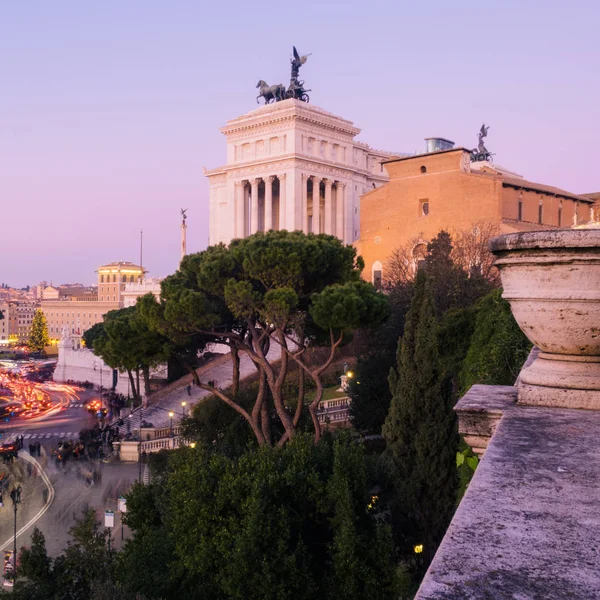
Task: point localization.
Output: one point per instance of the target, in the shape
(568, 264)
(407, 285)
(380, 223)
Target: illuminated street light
(171, 414)
(183, 405)
(418, 548)
(192, 444)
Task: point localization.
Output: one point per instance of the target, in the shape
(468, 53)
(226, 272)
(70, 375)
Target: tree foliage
(84, 565)
(274, 523)
(38, 337)
(283, 290)
(420, 429)
(125, 342)
(498, 348)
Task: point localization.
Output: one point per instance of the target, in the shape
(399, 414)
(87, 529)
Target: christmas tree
(38, 338)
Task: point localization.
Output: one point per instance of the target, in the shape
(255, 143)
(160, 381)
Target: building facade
(294, 166)
(445, 190)
(134, 290)
(15, 327)
(77, 309)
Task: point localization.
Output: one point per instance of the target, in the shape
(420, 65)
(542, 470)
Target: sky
(110, 110)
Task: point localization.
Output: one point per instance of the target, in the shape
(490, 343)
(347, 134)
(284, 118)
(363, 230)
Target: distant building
(15, 327)
(291, 165)
(134, 290)
(78, 308)
(445, 190)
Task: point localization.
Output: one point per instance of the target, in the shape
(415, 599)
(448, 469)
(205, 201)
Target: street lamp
(171, 414)
(15, 496)
(183, 404)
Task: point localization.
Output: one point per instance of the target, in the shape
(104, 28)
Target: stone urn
(552, 281)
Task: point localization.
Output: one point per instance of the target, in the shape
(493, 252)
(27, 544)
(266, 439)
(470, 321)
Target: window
(101, 278)
(423, 169)
(424, 208)
(114, 298)
(576, 217)
(540, 211)
(131, 279)
(114, 279)
(377, 272)
(419, 254)
(560, 213)
(520, 207)
(377, 279)
(124, 278)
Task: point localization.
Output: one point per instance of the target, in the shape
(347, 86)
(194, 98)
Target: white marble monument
(291, 165)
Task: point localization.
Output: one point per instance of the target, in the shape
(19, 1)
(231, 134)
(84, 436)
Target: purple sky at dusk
(109, 110)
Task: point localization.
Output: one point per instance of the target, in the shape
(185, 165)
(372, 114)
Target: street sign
(122, 502)
(109, 518)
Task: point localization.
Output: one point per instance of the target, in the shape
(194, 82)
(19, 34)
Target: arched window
(423, 169)
(419, 254)
(520, 207)
(377, 275)
(101, 278)
(131, 279)
(540, 211)
(124, 279)
(114, 279)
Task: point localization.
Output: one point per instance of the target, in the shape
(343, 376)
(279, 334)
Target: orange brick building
(444, 190)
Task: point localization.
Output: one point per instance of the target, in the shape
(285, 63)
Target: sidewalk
(219, 370)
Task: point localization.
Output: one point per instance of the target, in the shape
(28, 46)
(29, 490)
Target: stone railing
(161, 444)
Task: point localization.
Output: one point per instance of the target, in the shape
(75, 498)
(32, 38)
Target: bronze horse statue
(271, 93)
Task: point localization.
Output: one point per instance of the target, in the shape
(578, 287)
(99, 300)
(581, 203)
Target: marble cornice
(284, 112)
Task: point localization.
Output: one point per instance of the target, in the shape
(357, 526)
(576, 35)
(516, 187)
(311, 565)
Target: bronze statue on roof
(276, 93)
(481, 153)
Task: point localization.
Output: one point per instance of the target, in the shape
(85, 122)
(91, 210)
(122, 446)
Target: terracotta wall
(390, 215)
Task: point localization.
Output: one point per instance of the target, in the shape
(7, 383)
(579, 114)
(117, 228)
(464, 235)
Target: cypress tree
(38, 337)
(420, 430)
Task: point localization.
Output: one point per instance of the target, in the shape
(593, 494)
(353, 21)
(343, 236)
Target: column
(239, 228)
(339, 209)
(316, 205)
(269, 202)
(305, 203)
(282, 197)
(328, 215)
(254, 211)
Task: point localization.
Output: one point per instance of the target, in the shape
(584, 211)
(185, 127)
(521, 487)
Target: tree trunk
(300, 404)
(235, 363)
(133, 388)
(312, 408)
(192, 371)
(146, 373)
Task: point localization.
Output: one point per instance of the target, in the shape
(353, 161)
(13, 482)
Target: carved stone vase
(552, 281)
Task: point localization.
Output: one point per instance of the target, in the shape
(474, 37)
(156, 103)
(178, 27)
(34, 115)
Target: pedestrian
(189, 389)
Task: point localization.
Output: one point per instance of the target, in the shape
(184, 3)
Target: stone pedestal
(552, 281)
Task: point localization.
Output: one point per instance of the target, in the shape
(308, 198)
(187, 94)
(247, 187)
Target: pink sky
(109, 111)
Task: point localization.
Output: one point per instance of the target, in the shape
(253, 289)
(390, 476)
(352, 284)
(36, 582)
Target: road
(55, 503)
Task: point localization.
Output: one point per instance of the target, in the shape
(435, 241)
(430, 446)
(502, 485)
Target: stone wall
(81, 364)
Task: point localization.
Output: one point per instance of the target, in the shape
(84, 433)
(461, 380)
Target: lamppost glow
(183, 405)
(418, 548)
(171, 414)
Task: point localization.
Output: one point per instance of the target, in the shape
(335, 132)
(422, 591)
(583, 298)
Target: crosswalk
(42, 435)
(78, 405)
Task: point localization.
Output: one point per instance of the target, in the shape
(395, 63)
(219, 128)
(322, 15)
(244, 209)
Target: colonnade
(260, 205)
